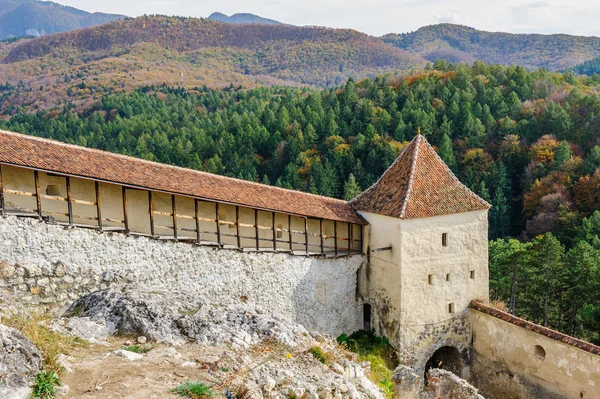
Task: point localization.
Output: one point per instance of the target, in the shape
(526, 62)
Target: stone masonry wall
(44, 264)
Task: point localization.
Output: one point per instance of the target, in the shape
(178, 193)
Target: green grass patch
(317, 352)
(136, 349)
(194, 390)
(377, 351)
(45, 385)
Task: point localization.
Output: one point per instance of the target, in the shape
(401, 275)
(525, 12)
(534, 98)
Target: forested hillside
(456, 43)
(525, 141)
(589, 68)
(81, 66)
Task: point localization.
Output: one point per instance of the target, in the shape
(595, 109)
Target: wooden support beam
(151, 212)
(98, 207)
(306, 234)
(196, 212)
(290, 232)
(349, 238)
(3, 210)
(125, 220)
(335, 237)
(69, 201)
(237, 226)
(256, 230)
(38, 197)
(362, 237)
(274, 231)
(218, 225)
(174, 211)
(322, 237)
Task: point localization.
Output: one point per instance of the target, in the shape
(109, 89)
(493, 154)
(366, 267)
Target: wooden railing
(351, 245)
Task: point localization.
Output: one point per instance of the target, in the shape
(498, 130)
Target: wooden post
(256, 229)
(335, 237)
(274, 232)
(69, 202)
(38, 197)
(151, 211)
(237, 226)
(98, 208)
(218, 224)
(322, 237)
(125, 221)
(349, 237)
(362, 237)
(290, 232)
(306, 234)
(174, 210)
(196, 212)
(2, 193)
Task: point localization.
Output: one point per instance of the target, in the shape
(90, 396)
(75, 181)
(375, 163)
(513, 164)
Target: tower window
(448, 277)
(451, 308)
(430, 279)
(444, 239)
(472, 274)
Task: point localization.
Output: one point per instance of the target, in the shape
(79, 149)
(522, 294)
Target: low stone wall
(517, 359)
(45, 264)
(441, 384)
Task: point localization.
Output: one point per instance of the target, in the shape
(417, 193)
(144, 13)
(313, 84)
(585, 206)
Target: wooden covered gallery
(82, 187)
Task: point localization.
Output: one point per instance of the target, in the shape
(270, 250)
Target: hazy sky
(377, 17)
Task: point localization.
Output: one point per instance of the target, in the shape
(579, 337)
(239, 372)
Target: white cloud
(448, 17)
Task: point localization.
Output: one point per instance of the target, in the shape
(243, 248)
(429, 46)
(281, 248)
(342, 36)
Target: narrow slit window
(53, 190)
(430, 279)
(444, 239)
(472, 274)
(450, 308)
(448, 277)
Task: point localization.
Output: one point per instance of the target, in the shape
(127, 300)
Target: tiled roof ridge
(374, 185)
(78, 147)
(411, 179)
(437, 156)
(536, 328)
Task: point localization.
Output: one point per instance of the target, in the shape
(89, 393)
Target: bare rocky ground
(237, 349)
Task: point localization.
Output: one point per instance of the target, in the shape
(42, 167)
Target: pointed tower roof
(418, 185)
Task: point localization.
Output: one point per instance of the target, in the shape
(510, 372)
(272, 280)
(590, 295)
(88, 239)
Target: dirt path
(99, 373)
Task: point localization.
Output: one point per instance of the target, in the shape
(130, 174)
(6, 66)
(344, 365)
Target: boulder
(20, 361)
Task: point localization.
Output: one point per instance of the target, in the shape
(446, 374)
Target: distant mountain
(20, 18)
(80, 66)
(458, 43)
(242, 18)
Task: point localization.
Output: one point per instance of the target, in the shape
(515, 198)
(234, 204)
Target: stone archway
(446, 358)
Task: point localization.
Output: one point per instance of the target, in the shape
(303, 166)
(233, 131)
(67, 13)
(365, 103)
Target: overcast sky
(377, 17)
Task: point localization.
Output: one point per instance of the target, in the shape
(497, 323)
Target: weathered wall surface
(421, 289)
(48, 264)
(508, 363)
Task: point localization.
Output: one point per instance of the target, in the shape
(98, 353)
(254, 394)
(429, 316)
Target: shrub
(45, 385)
(136, 349)
(317, 352)
(194, 390)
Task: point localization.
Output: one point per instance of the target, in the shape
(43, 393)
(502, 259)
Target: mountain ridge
(38, 18)
(242, 18)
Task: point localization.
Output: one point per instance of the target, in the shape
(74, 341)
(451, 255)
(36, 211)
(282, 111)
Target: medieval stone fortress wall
(407, 258)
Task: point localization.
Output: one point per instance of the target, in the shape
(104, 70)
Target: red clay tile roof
(418, 185)
(53, 156)
(536, 328)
